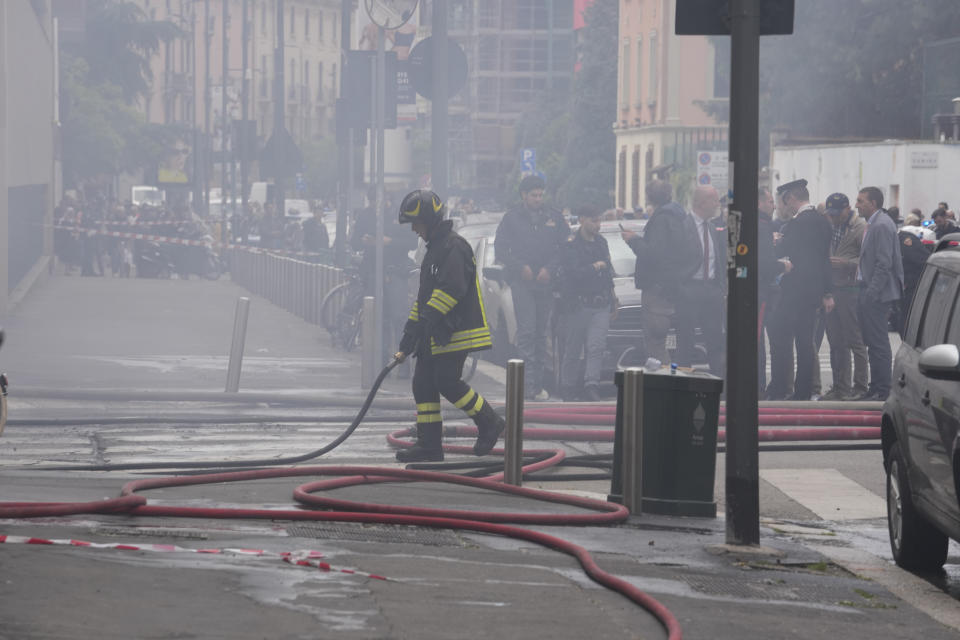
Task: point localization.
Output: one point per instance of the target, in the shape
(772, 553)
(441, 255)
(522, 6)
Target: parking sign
(528, 160)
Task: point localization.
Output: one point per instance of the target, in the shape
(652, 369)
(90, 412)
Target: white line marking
(828, 493)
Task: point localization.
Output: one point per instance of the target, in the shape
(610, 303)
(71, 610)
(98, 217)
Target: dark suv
(921, 419)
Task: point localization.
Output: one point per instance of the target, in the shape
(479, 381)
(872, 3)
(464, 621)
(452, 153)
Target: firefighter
(447, 321)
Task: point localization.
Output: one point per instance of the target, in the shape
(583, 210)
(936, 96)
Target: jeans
(874, 321)
(585, 329)
(532, 304)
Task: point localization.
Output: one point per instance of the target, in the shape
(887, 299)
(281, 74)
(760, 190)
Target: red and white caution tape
(302, 558)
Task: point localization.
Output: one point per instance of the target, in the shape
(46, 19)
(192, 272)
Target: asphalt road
(819, 510)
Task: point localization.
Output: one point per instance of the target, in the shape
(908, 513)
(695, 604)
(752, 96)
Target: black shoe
(417, 453)
(870, 396)
(488, 437)
(592, 393)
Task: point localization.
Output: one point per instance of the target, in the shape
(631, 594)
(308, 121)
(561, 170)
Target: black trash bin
(678, 454)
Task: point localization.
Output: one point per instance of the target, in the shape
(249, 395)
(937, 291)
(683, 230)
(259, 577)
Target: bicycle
(341, 312)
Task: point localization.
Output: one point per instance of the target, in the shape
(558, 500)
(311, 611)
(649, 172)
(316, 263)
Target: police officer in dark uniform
(528, 244)
(586, 302)
(447, 321)
(807, 284)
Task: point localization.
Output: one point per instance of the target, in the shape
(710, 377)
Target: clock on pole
(390, 14)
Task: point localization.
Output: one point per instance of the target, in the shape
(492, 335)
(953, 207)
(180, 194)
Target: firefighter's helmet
(422, 206)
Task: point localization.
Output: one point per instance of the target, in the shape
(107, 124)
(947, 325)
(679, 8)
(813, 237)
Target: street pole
(742, 451)
(439, 126)
(345, 152)
(224, 135)
(279, 105)
(244, 114)
(207, 166)
(380, 126)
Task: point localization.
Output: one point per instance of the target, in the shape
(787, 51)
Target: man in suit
(702, 295)
(768, 287)
(804, 250)
(843, 327)
(881, 284)
(666, 258)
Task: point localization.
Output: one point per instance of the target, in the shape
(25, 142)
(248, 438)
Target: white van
(148, 195)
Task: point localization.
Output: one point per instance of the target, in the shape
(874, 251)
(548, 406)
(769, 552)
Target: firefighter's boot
(429, 446)
(489, 428)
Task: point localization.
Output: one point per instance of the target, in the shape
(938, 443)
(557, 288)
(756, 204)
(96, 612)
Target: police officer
(587, 300)
(528, 244)
(807, 284)
(446, 322)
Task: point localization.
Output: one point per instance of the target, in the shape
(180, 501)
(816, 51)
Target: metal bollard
(236, 345)
(367, 366)
(631, 467)
(513, 439)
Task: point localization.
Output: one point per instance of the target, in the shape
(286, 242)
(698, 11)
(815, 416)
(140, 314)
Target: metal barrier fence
(295, 285)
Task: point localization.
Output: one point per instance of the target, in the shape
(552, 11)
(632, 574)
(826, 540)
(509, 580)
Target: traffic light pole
(742, 449)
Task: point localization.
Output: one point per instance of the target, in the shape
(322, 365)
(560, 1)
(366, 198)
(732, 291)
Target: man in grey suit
(881, 284)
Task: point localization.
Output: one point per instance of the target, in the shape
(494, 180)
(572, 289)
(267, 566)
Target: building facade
(666, 85)
(517, 51)
(29, 176)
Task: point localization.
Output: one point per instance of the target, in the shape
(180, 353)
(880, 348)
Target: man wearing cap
(804, 250)
(528, 242)
(942, 223)
(881, 284)
(843, 328)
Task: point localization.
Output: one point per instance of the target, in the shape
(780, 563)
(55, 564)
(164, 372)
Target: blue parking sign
(528, 160)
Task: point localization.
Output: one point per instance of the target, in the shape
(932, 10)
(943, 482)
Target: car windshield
(620, 254)
(473, 232)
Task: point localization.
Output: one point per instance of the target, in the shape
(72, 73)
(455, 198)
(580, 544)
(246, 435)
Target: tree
(572, 133)
(120, 41)
(588, 166)
(852, 69)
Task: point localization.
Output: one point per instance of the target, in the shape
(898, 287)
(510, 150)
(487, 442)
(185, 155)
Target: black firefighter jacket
(448, 314)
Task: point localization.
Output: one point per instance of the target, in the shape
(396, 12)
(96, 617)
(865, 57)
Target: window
(638, 77)
(936, 315)
(306, 74)
(652, 77)
(333, 83)
(635, 180)
(622, 187)
(320, 80)
(306, 23)
(953, 334)
(263, 18)
(918, 305)
(320, 25)
(293, 21)
(625, 75)
(263, 76)
(292, 80)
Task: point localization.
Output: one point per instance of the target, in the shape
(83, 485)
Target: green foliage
(97, 125)
(120, 42)
(572, 134)
(102, 133)
(853, 68)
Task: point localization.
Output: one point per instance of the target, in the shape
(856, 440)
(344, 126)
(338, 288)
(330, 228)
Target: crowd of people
(837, 271)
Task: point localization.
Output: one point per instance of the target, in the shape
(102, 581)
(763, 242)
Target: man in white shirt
(701, 304)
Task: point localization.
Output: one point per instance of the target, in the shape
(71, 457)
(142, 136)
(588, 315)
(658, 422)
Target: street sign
(712, 17)
(713, 170)
(421, 68)
(528, 160)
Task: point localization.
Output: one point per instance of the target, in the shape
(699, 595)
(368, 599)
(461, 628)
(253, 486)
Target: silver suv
(921, 419)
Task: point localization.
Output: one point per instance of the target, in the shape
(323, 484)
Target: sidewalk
(119, 334)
